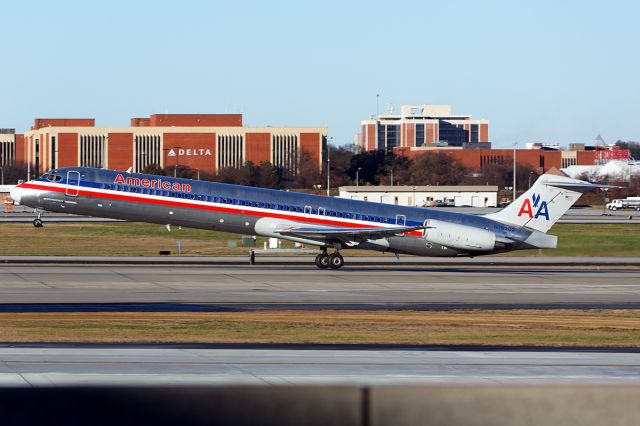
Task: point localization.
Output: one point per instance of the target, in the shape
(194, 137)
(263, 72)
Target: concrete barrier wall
(342, 405)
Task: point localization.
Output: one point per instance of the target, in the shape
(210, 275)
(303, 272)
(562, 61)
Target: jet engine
(458, 236)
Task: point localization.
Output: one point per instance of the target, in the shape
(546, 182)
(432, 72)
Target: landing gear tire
(322, 261)
(336, 261)
(37, 223)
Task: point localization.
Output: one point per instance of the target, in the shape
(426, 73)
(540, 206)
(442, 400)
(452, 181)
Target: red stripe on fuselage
(163, 202)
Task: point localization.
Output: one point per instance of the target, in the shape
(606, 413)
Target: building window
(92, 150)
(475, 133)
(285, 154)
(230, 152)
(147, 151)
(382, 136)
(453, 134)
(419, 135)
(393, 136)
(53, 152)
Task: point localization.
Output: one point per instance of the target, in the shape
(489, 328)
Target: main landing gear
(333, 260)
(37, 222)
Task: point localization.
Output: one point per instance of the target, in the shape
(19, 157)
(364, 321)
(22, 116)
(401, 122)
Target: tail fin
(544, 203)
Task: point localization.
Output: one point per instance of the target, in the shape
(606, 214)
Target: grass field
(137, 239)
(568, 328)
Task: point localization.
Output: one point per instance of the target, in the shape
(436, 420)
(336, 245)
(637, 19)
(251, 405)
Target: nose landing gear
(333, 260)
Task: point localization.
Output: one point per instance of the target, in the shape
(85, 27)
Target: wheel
(322, 261)
(37, 223)
(336, 261)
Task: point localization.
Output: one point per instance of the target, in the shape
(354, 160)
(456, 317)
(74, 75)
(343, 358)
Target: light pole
(177, 152)
(178, 148)
(514, 171)
(29, 160)
(414, 196)
(530, 173)
(329, 166)
(391, 176)
(358, 176)
(2, 171)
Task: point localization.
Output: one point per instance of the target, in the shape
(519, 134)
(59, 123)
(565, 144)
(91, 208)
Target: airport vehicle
(624, 203)
(328, 222)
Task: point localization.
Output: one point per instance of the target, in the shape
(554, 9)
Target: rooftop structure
(423, 126)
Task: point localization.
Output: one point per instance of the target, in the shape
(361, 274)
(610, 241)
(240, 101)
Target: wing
(350, 236)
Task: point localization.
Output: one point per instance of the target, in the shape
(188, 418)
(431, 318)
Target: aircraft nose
(16, 194)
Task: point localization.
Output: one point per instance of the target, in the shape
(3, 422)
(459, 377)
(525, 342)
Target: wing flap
(342, 233)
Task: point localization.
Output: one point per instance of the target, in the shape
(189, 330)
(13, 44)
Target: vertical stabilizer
(544, 203)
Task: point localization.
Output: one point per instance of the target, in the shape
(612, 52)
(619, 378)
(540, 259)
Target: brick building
(540, 160)
(206, 142)
(423, 126)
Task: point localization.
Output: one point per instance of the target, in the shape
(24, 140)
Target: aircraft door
(73, 183)
(307, 211)
(401, 220)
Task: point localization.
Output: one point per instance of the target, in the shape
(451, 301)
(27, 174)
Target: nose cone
(16, 194)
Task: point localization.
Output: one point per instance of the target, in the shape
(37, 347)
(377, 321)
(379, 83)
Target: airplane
(327, 222)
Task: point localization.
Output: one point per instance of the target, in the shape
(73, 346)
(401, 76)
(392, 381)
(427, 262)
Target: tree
(436, 168)
(181, 171)
(308, 172)
(396, 166)
(371, 165)
(154, 169)
(341, 158)
(266, 176)
(226, 175)
(15, 172)
(633, 147)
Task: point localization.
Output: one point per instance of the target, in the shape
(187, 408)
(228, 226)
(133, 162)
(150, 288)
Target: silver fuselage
(251, 211)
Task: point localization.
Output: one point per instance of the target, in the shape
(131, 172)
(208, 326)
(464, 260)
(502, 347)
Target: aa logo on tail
(527, 209)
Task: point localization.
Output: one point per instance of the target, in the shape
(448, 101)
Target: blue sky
(545, 71)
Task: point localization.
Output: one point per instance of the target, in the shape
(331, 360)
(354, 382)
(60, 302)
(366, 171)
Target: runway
(37, 366)
(191, 287)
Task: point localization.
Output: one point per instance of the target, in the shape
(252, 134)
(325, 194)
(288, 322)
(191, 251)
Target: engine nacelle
(459, 236)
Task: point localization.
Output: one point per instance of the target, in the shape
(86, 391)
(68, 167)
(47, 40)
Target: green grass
(114, 238)
(591, 240)
(590, 328)
(138, 239)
